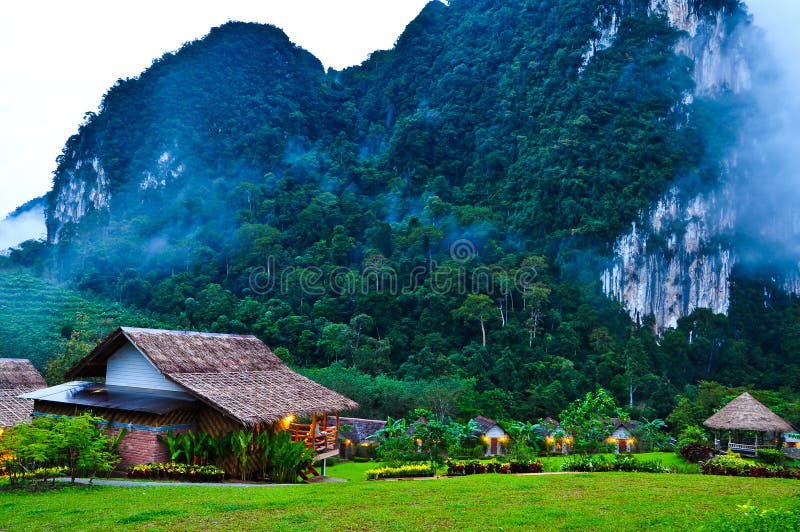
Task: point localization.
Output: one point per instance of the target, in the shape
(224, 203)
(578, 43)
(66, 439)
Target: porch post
(311, 431)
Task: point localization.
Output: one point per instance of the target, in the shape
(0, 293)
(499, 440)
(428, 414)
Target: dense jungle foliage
(429, 223)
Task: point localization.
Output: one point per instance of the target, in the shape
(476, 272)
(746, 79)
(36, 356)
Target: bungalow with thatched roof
(158, 381)
(358, 436)
(359, 430)
(749, 425)
(17, 376)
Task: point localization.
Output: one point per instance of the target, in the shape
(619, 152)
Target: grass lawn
(553, 463)
(598, 501)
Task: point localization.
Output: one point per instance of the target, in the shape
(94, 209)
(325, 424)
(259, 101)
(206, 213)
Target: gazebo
(750, 426)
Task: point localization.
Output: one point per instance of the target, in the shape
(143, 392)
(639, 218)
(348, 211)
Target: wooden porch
(736, 442)
(743, 448)
(318, 434)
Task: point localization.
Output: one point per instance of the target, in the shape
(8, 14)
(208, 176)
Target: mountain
(446, 209)
(680, 253)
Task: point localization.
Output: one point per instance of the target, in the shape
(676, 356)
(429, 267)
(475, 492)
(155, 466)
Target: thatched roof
(746, 413)
(235, 374)
(17, 376)
(360, 429)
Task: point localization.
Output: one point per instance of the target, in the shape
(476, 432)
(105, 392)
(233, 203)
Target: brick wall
(141, 446)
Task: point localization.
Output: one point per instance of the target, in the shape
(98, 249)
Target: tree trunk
(483, 334)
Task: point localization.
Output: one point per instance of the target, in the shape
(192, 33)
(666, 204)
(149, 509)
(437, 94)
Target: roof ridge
(176, 332)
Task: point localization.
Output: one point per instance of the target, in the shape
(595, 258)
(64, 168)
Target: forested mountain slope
(42, 321)
(440, 213)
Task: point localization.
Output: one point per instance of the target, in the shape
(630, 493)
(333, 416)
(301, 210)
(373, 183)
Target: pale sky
(58, 58)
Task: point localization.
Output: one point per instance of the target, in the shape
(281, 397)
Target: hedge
(737, 467)
(476, 467)
(409, 470)
(176, 471)
(589, 463)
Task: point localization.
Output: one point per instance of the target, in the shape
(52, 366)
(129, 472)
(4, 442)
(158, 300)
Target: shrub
(399, 450)
(196, 447)
(366, 450)
(692, 434)
(177, 471)
(467, 453)
(281, 459)
(598, 464)
(476, 467)
(526, 466)
(408, 470)
(523, 452)
(738, 467)
(696, 452)
(586, 463)
(770, 456)
(78, 443)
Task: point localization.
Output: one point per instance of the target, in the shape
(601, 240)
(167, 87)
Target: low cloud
(25, 226)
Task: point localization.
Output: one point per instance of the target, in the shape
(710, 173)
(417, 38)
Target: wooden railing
(321, 439)
(748, 449)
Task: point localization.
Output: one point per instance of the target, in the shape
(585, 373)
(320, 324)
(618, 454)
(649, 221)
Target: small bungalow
(17, 377)
(357, 430)
(621, 438)
(155, 381)
(748, 426)
(357, 436)
(557, 440)
(492, 434)
(791, 444)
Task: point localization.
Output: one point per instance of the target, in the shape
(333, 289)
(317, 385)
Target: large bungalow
(748, 426)
(155, 381)
(17, 377)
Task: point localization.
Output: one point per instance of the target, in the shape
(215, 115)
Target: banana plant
(287, 459)
(219, 447)
(242, 441)
(173, 445)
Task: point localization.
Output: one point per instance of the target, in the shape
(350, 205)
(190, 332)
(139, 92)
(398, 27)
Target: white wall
(128, 367)
(495, 432)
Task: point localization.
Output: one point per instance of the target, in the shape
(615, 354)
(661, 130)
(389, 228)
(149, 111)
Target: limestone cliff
(678, 256)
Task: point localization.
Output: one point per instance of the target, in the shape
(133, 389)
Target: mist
(765, 166)
(24, 226)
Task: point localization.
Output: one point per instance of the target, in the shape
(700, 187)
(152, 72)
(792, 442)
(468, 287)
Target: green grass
(480, 502)
(553, 463)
